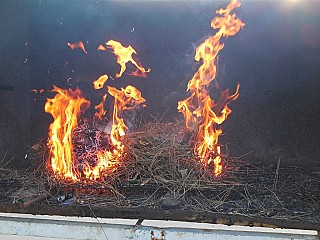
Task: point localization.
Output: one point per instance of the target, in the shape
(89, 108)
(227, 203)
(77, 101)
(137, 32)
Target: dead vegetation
(160, 170)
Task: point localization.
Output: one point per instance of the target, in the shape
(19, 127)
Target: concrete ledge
(13, 226)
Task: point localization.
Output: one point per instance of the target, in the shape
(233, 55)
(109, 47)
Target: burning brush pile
(82, 150)
(99, 161)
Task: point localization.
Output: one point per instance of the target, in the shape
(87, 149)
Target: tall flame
(124, 55)
(65, 108)
(203, 114)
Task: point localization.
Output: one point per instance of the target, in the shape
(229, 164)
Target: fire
(124, 55)
(125, 99)
(100, 107)
(102, 48)
(99, 83)
(201, 112)
(76, 45)
(65, 108)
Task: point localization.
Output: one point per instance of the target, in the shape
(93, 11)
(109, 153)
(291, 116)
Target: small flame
(125, 99)
(102, 48)
(203, 114)
(76, 45)
(138, 72)
(124, 55)
(99, 83)
(100, 107)
(217, 162)
(65, 108)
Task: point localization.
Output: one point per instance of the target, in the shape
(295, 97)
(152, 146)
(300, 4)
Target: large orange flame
(203, 114)
(65, 108)
(124, 55)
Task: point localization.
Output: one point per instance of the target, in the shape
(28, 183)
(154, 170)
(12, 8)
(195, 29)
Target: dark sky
(275, 58)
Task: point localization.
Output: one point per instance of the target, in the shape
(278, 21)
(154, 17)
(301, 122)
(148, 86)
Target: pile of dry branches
(159, 170)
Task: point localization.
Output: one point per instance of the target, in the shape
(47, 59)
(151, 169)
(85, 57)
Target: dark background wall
(275, 58)
(15, 108)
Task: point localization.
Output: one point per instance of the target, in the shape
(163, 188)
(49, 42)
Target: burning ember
(40, 91)
(201, 112)
(99, 83)
(80, 44)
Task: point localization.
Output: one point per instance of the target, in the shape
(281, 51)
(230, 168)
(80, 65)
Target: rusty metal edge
(158, 214)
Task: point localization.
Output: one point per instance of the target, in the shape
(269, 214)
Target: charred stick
(35, 200)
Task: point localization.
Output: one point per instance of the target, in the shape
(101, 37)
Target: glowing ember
(102, 48)
(36, 91)
(202, 113)
(124, 55)
(99, 83)
(65, 108)
(100, 107)
(76, 45)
